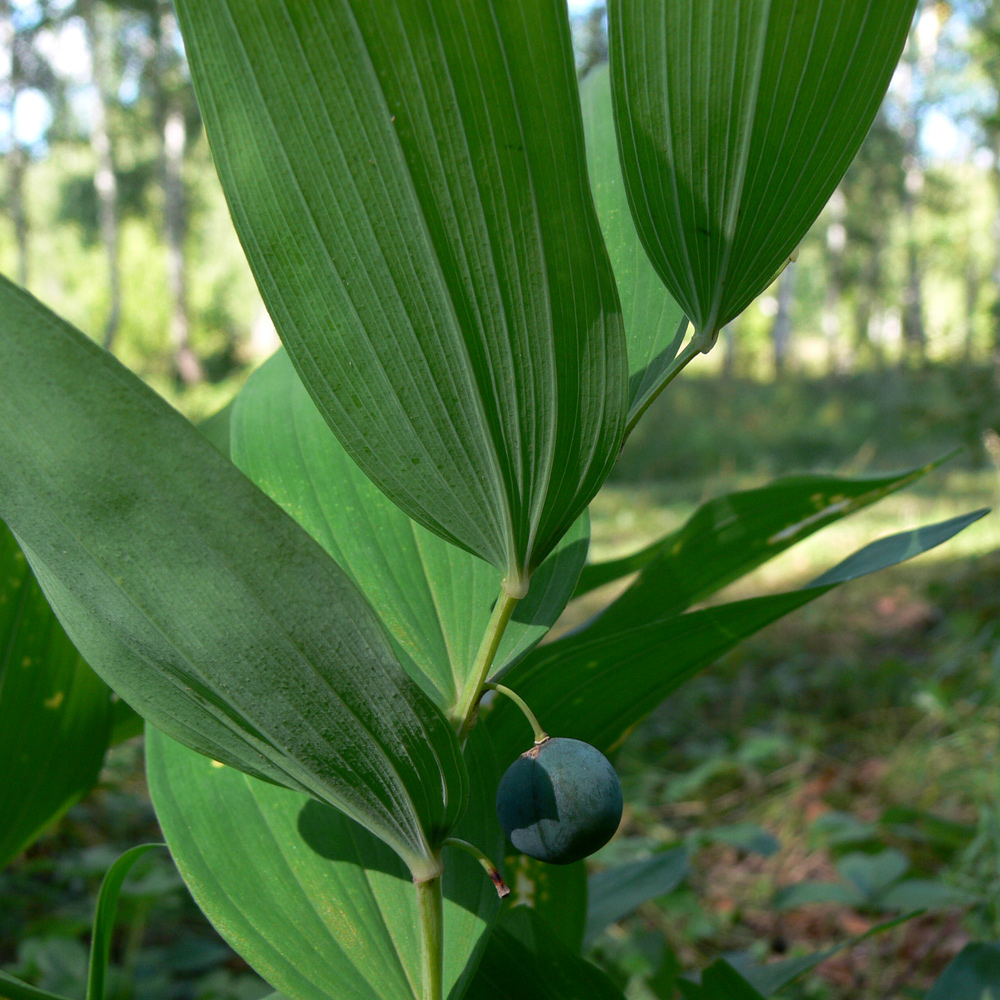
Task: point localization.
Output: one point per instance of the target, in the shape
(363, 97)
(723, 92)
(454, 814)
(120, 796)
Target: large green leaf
(435, 599)
(525, 959)
(422, 231)
(200, 601)
(654, 323)
(596, 685)
(731, 535)
(736, 120)
(973, 975)
(720, 981)
(55, 713)
(310, 899)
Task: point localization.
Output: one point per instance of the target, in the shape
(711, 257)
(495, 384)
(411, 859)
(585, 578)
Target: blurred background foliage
(866, 724)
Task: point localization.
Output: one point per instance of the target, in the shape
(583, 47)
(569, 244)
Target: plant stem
(696, 345)
(540, 735)
(431, 938)
(491, 869)
(464, 713)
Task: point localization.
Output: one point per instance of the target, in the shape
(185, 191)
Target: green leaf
(525, 959)
(596, 684)
(720, 981)
(202, 603)
(104, 918)
(770, 978)
(557, 893)
(925, 894)
(434, 599)
(973, 975)
(809, 893)
(654, 323)
(873, 873)
(736, 120)
(216, 427)
(731, 535)
(55, 713)
(14, 989)
(421, 229)
(317, 905)
(616, 892)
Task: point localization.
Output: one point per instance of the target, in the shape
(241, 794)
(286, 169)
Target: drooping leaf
(973, 975)
(770, 978)
(420, 227)
(14, 989)
(104, 918)
(525, 959)
(199, 600)
(616, 892)
(736, 120)
(596, 685)
(731, 535)
(316, 904)
(557, 893)
(654, 323)
(55, 713)
(434, 599)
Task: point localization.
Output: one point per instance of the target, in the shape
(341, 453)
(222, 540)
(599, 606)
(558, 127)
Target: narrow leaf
(616, 892)
(434, 599)
(14, 989)
(596, 685)
(736, 120)
(204, 605)
(55, 713)
(731, 535)
(421, 229)
(654, 323)
(104, 918)
(316, 904)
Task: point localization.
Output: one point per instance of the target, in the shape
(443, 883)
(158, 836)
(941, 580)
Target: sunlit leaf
(736, 120)
(731, 535)
(595, 685)
(202, 603)
(421, 229)
(654, 323)
(316, 904)
(434, 599)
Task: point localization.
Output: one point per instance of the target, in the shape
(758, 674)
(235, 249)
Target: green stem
(696, 345)
(464, 713)
(491, 869)
(431, 938)
(540, 735)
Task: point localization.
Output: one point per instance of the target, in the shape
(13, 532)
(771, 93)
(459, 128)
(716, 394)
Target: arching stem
(540, 735)
(491, 869)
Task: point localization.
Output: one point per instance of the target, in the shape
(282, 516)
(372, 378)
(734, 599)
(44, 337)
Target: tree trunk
(781, 330)
(100, 25)
(17, 158)
(173, 135)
